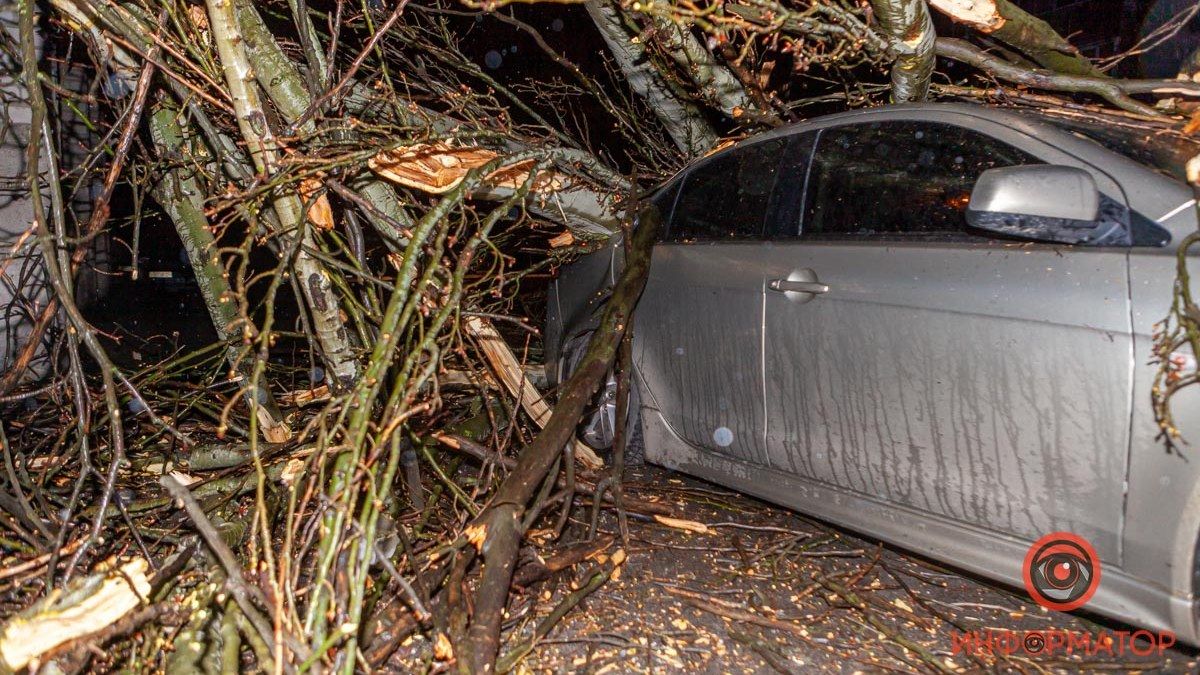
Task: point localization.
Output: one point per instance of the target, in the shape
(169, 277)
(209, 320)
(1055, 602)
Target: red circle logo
(1062, 571)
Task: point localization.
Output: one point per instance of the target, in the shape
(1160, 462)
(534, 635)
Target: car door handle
(783, 286)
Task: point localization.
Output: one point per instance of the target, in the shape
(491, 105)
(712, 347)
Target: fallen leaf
(442, 649)
(1193, 124)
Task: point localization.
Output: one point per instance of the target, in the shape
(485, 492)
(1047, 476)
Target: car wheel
(598, 426)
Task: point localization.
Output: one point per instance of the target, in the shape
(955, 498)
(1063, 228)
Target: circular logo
(1061, 571)
(1034, 642)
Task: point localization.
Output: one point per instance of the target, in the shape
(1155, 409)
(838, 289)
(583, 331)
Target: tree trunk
(683, 121)
(314, 280)
(910, 28)
(719, 87)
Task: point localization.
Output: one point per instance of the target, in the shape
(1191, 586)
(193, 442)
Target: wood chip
(183, 478)
(681, 524)
(291, 471)
(303, 397)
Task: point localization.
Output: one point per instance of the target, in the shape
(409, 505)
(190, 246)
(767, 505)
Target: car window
(664, 199)
(728, 197)
(898, 178)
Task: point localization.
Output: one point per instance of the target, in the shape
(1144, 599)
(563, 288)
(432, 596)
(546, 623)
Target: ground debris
(752, 597)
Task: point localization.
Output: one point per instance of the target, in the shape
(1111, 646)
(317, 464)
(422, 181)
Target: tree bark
(910, 28)
(717, 84)
(684, 122)
(280, 78)
(181, 196)
(315, 283)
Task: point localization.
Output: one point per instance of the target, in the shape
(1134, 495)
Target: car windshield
(1159, 149)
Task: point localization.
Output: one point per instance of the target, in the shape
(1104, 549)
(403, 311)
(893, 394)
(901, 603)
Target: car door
(973, 379)
(698, 329)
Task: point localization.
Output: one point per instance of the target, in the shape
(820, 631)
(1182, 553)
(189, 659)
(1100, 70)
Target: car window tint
(728, 196)
(784, 219)
(898, 178)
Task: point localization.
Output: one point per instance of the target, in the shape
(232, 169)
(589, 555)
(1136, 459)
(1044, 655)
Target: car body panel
(974, 549)
(702, 351)
(1104, 328)
(1163, 509)
(958, 380)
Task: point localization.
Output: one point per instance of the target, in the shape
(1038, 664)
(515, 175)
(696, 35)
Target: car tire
(635, 446)
(596, 428)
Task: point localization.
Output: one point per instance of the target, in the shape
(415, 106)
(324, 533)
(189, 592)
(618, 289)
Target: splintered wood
(439, 167)
(508, 369)
(982, 15)
(88, 606)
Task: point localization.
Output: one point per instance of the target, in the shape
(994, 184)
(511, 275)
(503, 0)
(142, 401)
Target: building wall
(23, 286)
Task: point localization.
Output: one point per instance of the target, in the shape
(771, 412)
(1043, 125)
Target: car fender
(576, 300)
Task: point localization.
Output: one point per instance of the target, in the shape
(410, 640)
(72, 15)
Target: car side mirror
(1043, 202)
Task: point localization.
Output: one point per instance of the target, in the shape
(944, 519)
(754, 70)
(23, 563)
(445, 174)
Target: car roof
(1031, 124)
(1082, 138)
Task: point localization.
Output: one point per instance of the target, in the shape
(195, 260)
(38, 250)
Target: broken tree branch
(91, 604)
(265, 151)
(497, 530)
(1114, 91)
(508, 368)
(683, 121)
(1021, 30)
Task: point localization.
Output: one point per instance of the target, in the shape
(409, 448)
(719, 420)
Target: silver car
(932, 324)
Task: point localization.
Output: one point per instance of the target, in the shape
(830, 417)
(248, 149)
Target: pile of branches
(353, 189)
